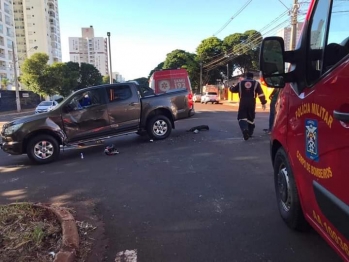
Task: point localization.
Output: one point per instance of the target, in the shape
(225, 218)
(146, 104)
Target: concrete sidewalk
(14, 112)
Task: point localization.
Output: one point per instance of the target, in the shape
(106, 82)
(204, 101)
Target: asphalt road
(193, 197)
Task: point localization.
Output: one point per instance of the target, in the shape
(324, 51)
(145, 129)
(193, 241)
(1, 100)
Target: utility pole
(227, 73)
(18, 101)
(294, 22)
(110, 70)
(200, 78)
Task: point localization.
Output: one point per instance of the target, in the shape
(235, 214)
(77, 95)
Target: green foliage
(182, 59)
(142, 81)
(209, 48)
(4, 83)
(34, 74)
(89, 76)
(58, 78)
(64, 80)
(158, 67)
(243, 50)
(106, 80)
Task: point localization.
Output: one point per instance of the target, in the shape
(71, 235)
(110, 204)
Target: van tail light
(190, 100)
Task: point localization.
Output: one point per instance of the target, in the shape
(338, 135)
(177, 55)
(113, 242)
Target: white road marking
(126, 256)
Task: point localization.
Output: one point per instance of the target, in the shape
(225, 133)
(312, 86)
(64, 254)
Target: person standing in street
(273, 98)
(248, 90)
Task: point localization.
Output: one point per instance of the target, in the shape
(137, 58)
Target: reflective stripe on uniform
(248, 121)
(261, 95)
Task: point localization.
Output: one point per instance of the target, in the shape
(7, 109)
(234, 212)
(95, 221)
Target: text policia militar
(323, 173)
(316, 109)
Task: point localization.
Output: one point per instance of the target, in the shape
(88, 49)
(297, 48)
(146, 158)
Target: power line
(257, 34)
(241, 50)
(234, 16)
(283, 4)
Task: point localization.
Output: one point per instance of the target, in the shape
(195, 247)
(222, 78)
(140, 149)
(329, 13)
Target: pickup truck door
(124, 107)
(85, 115)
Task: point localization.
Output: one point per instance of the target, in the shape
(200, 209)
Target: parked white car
(210, 97)
(45, 106)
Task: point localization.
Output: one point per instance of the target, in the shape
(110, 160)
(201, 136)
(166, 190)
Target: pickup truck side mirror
(272, 63)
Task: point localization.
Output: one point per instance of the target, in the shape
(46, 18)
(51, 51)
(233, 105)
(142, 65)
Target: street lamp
(200, 78)
(111, 71)
(18, 101)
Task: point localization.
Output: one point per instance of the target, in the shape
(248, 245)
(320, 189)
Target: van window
(327, 50)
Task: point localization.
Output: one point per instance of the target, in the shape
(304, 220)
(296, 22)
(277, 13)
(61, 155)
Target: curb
(11, 113)
(70, 235)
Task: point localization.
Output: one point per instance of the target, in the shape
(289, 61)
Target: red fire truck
(310, 138)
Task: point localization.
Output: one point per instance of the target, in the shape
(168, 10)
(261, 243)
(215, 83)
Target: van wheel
(159, 127)
(287, 193)
(43, 149)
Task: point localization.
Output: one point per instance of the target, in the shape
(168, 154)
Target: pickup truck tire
(43, 149)
(287, 193)
(159, 127)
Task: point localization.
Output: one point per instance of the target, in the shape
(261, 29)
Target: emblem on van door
(311, 139)
(164, 85)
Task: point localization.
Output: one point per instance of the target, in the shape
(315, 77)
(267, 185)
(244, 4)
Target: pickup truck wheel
(287, 193)
(159, 127)
(43, 149)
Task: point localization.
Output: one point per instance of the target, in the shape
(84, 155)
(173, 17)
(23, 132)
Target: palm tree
(4, 83)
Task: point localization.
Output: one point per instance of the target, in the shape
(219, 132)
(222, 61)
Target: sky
(143, 32)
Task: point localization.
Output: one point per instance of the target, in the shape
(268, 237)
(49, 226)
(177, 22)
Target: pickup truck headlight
(11, 129)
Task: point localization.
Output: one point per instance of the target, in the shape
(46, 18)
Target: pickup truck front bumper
(13, 148)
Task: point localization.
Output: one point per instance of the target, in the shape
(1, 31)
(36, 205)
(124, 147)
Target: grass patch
(28, 233)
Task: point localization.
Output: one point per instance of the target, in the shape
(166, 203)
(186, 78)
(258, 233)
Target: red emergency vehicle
(310, 137)
(170, 80)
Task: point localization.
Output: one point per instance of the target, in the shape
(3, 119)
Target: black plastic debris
(196, 129)
(111, 150)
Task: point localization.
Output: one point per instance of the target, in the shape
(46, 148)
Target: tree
(62, 80)
(209, 48)
(106, 80)
(4, 83)
(34, 74)
(142, 81)
(182, 59)
(158, 67)
(89, 76)
(244, 48)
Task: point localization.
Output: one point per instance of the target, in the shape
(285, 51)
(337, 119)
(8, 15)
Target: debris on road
(111, 150)
(151, 140)
(196, 129)
(82, 156)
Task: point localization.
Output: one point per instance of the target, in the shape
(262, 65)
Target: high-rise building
(285, 33)
(89, 49)
(37, 29)
(7, 36)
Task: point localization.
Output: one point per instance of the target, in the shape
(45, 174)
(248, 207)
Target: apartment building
(118, 77)
(89, 49)
(37, 29)
(7, 36)
(285, 33)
